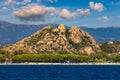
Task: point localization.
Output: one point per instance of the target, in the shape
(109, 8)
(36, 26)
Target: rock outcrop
(56, 40)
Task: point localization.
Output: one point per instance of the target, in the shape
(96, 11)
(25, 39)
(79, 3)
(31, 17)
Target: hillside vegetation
(111, 47)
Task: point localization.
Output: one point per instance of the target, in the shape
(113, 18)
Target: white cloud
(39, 0)
(96, 6)
(91, 4)
(52, 1)
(9, 2)
(66, 14)
(26, 1)
(84, 12)
(4, 8)
(22, 2)
(104, 18)
(33, 13)
(84, 25)
(15, 2)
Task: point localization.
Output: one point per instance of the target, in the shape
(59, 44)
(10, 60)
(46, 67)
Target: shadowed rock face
(56, 40)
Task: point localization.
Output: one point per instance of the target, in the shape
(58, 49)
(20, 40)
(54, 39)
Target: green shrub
(2, 58)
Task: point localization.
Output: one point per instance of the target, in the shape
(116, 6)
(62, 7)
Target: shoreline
(59, 64)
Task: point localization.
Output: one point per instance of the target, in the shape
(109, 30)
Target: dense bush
(113, 47)
(2, 58)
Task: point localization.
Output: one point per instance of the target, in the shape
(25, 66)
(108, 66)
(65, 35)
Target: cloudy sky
(89, 13)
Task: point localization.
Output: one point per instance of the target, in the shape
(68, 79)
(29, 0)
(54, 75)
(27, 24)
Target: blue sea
(59, 72)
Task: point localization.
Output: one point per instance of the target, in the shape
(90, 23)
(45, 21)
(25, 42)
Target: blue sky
(88, 13)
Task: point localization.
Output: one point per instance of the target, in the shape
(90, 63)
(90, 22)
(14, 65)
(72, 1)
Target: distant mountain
(56, 40)
(104, 34)
(11, 33)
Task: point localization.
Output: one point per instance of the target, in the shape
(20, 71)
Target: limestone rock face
(75, 35)
(56, 40)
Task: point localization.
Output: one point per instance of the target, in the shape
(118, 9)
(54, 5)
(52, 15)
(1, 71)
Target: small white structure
(110, 42)
(118, 52)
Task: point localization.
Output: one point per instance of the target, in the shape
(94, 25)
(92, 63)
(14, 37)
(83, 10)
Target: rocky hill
(111, 47)
(56, 40)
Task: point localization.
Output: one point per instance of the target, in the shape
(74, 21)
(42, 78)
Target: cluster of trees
(5, 57)
(2, 58)
(49, 57)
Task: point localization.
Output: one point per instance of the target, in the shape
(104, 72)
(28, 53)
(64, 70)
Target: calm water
(51, 72)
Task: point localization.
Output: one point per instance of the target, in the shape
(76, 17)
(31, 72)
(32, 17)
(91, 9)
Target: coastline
(59, 64)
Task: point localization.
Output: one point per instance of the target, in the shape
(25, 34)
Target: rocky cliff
(56, 40)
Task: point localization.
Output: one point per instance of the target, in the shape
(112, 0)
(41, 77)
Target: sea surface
(59, 72)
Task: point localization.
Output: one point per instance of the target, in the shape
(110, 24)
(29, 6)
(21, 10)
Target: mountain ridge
(56, 40)
(105, 34)
(11, 33)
